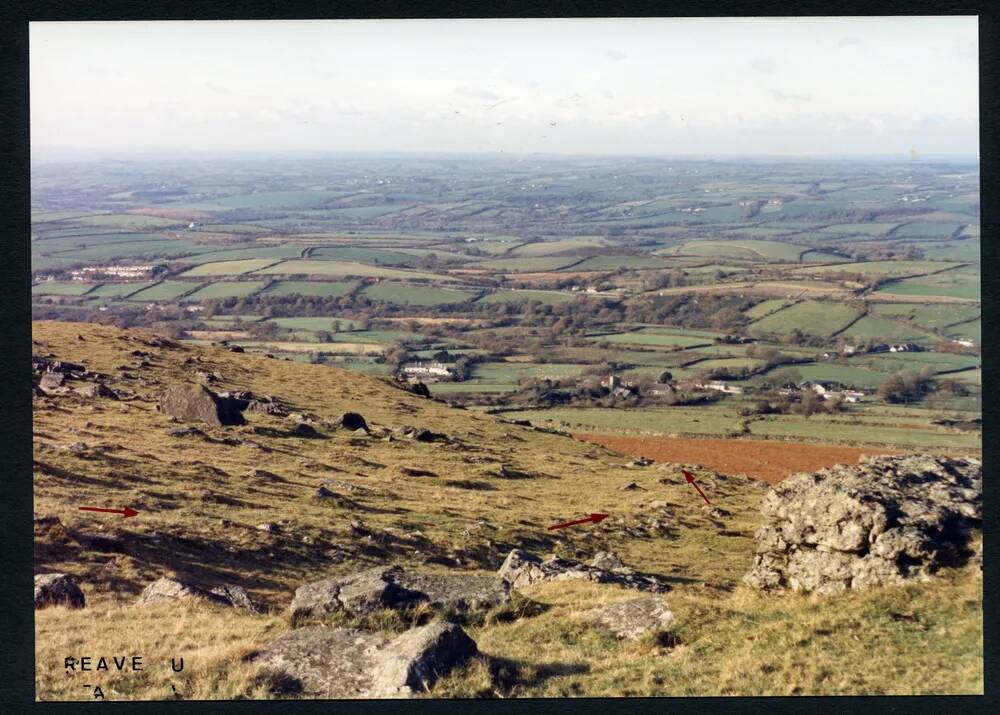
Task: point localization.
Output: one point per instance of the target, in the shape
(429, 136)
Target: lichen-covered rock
(348, 663)
(883, 521)
(414, 661)
(521, 569)
(196, 403)
(57, 589)
(391, 588)
(357, 594)
(172, 589)
(632, 619)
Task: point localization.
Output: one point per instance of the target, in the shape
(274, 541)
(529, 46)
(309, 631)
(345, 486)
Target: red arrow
(126, 512)
(690, 480)
(595, 518)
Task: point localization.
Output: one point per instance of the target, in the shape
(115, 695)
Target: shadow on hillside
(507, 674)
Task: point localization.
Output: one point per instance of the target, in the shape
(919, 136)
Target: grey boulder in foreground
(884, 521)
(326, 662)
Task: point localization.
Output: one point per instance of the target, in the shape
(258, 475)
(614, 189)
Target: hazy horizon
(840, 87)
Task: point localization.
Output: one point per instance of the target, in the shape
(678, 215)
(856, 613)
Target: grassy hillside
(493, 486)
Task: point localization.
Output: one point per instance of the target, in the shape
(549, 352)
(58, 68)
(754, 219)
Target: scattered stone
(94, 390)
(185, 432)
(632, 619)
(414, 472)
(304, 430)
(631, 487)
(57, 589)
(639, 462)
(236, 349)
(191, 403)
(347, 663)
(50, 381)
(521, 569)
(269, 527)
(238, 597)
(352, 421)
(884, 521)
(607, 560)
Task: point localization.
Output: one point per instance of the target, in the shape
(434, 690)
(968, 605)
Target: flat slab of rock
(389, 587)
(348, 663)
(57, 589)
(884, 521)
(632, 619)
(521, 569)
(196, 403)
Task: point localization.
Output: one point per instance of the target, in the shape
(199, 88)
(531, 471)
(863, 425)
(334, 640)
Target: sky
(660, 86)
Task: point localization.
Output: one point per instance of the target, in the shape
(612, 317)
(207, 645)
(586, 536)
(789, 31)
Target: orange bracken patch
(768, 460)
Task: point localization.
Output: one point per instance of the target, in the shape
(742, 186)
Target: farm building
(435, 370)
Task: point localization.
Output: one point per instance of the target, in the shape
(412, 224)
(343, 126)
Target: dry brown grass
(199, 507)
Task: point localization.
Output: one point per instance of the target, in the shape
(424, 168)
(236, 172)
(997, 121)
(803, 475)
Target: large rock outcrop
(196, 403)
(347, 663)
(884, 521)
(389, 587)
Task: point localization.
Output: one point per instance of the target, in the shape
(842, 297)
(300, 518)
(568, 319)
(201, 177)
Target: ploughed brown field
(771, 461)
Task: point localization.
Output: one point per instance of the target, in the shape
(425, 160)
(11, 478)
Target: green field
(766, 308)
(284, 250)
(871, 328)
(312, 324)
(267, 200)
(525, 265)
(318, 288)
(360, 254)
(928, 316)
(226, 289)
(810, 316)
(767, 250)
(62, 288)
(127, 221)
(521, 296)
(548, 248)
(873, 268)
(651, 338)
(167, 290)
(850, 375)
(950, 284)
(611, 263)
(403, 294)
(343, 268)
(972, 330)
(228, 268)
(859, 229)
(943, 230)
(118, 290)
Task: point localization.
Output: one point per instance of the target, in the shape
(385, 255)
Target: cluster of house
(428, 371)
(827, 389)
(117, 271)
(879, 348)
